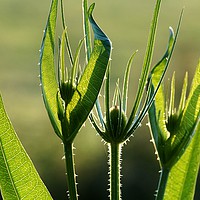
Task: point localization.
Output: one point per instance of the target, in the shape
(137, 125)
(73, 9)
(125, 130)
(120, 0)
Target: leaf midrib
(9, 171)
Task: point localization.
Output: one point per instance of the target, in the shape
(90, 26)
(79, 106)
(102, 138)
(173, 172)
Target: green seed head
(118, 122)
(173, 123)
(67, 91)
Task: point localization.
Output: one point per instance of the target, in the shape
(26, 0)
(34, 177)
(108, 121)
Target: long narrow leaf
(146, 64)
(88, 88)
(66, 33)
(126, 81)
(172, 96)
(86, 29)
(107, 98)
(156, 76)
(183, 94)
(18, 176)
(64, 74)
(47, 70)
(157, 115)
(76, 62)
(88, 48)
(147, 58)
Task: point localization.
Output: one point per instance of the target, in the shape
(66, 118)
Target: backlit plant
(70, 97)
(70, 91)
(172, 130)
(117, 127)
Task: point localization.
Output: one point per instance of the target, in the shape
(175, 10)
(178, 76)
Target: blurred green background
(126, 23)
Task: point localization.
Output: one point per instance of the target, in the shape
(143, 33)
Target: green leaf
(88, 47)
(182, 177)
(156, 76)
(90, 83)
(76, 63)
(157, 111)
(172, 135)
(86, 29)
(183, 94)
(146, 66)
(62, 73)
(66, 34)
(189, 121)
(19, 178)
(172, 96)
(147, 59)
(126, 81)
(47, 69)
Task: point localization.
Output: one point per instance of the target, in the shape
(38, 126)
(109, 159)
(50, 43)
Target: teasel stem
(115, 168)
(70, 171)
(69, 162)
(162, 183)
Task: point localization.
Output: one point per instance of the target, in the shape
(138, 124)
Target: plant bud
(67, 91)
(173, 124)
(118, 122)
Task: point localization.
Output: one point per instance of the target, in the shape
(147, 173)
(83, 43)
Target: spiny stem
(70, 171)
(115, 166)
(162, 183)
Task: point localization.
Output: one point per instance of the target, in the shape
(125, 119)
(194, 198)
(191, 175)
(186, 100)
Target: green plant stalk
(69, 162)
(70, 170)
(115, 166)
(162, 183)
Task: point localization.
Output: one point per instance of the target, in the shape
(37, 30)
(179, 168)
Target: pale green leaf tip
(171, 31)
(91, 8)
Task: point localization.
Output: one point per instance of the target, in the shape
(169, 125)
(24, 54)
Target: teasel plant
(69, 92)
(116, 127)
(175, 136)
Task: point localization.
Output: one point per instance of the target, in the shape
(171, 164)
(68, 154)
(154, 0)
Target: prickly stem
(114, 171)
